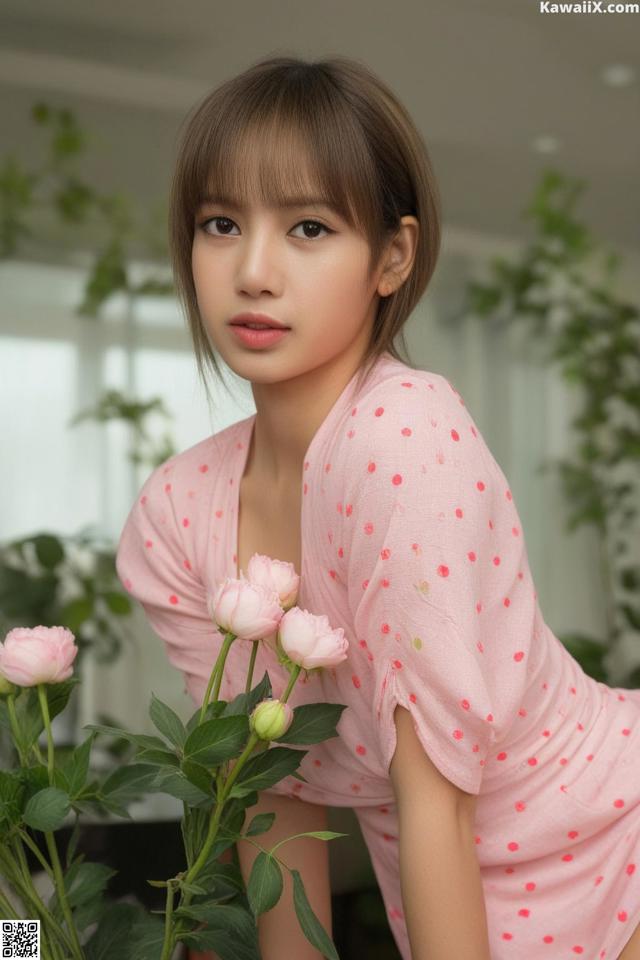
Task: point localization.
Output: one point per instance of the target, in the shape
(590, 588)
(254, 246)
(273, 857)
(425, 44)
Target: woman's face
(303, 265)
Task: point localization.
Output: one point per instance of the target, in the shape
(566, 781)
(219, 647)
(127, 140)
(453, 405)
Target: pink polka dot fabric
(411, 541)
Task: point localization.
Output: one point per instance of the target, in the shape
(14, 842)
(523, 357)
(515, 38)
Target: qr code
(19, 938)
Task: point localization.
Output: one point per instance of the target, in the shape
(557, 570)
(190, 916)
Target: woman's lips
(259, 338)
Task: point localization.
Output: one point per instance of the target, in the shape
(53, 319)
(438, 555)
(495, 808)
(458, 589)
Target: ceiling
(481, 79)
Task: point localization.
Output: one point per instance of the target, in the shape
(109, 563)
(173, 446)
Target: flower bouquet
(215, 764)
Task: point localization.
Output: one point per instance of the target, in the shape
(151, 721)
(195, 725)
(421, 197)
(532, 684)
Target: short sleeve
(430, 557)
(157, 563)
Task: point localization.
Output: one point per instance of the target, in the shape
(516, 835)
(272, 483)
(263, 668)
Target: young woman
(495, 783)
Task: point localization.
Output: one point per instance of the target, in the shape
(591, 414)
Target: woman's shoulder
(406, 403)
(196, 465)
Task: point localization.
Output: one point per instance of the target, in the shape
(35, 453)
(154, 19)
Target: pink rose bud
(32, 655)
(308, 640)
(270, 719)
(247, 610)
(278, 575)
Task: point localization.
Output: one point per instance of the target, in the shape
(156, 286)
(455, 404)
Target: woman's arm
(279, 931)
(440, 881)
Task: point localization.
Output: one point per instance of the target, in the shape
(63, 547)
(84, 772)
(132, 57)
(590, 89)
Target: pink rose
(308, 640)
(32, 655)
(278, 575)
(248, 610)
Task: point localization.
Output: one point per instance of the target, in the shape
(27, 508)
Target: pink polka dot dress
(411, 541)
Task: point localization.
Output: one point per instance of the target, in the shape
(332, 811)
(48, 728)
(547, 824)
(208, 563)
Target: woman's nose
(258, 266)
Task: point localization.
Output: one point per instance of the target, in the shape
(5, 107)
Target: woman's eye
(314, 224)
(223, 224)
(224, 220)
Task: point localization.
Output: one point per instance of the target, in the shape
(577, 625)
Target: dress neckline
(246, 427)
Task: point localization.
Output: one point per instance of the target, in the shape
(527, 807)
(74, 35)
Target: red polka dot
(567, 857)
(148, 543)
(397, 664)
(623, 916)
(167, 487)
(507, 936)
(371, 467)
(547, 938)
(506, 602)
(465, 704)
(518, 656)
(443, 570)
(186, 565)
(355, 681)
(618, 803)
(480, 485)
(385, 554)
(368, 528)
(379, 411)
(501, 756)
(459, 513)
(361, 750)
(631, 868)
(532, 761)
(455, 435)
(520, 806)
(471, 555)
(185, 521)
(496, 561)
(396, 479)
(173, 599)
(578, 949)
(573, 834)
(143, 500)
(203, 468)
(523, 912)
(406, 432)
(513, 846)
(530, 886)
(458, 734)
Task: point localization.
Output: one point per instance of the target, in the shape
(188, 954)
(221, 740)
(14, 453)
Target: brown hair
(362, 151)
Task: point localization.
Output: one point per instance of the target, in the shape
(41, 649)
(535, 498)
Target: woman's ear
(400, 255)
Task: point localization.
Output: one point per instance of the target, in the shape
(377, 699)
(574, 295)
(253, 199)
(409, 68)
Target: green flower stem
(215, 819)
(49, 837)
(223, 793)
(13, 720)
(44, 707)
(252, 660)
(20, 879)
(24, 836)
(167, 947)
(292, 679)
(216, 673)
(8, 909)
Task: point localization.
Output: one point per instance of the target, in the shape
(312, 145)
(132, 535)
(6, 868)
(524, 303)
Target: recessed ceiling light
(618, 75)
(546, 144)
